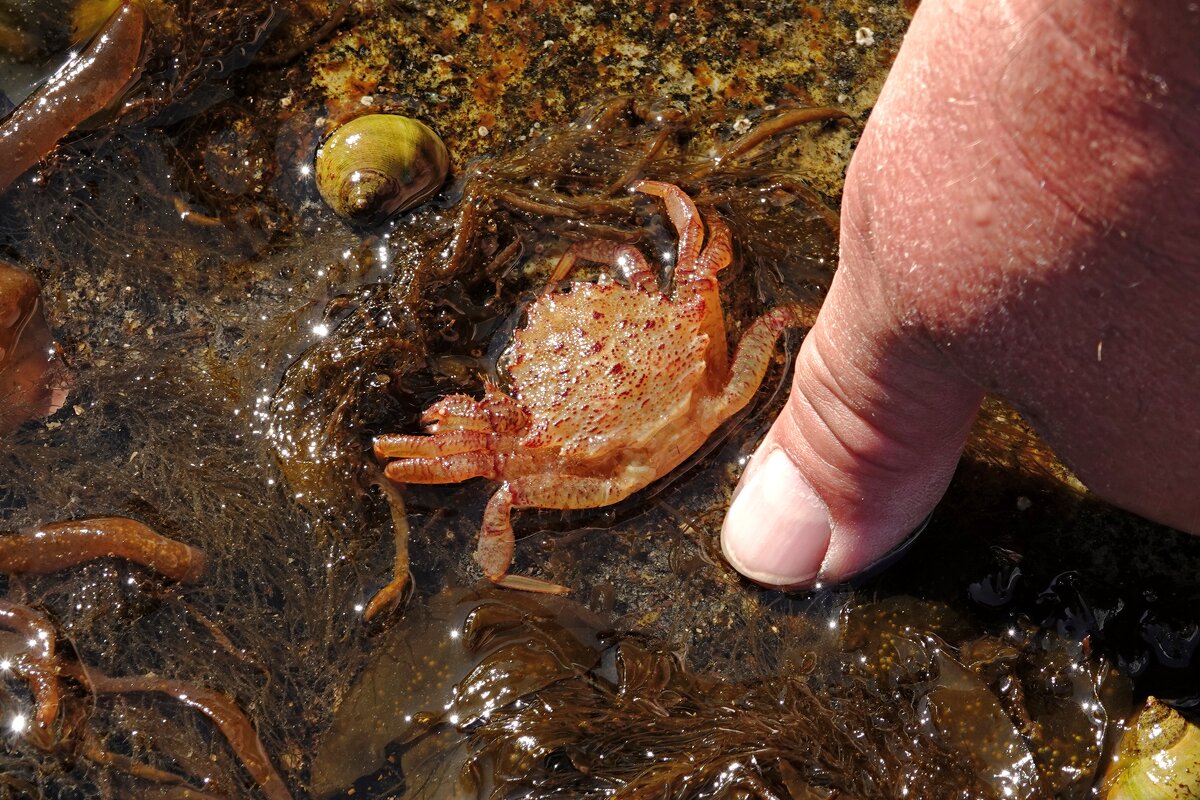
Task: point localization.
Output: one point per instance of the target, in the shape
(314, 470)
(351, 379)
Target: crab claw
(496, 412)
(454, 412)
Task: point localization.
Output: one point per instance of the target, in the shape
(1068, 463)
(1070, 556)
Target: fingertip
(777, 530)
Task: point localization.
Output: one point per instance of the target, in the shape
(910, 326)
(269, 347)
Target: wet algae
(496, 694)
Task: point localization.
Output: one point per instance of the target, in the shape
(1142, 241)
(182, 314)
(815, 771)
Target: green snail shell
(1158, 758)
(378, 165)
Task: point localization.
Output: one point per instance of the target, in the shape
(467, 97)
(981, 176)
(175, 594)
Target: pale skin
(1022, 216)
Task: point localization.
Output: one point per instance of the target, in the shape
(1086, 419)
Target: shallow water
(233, 347)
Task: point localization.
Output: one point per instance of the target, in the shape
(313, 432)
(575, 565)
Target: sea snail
(378, 165)
(1158, 758)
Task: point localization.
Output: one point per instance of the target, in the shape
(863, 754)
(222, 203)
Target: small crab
(611, 387)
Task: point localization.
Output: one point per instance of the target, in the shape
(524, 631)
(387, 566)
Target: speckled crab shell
(603, 366)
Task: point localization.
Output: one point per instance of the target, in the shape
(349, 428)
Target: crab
(611, 386)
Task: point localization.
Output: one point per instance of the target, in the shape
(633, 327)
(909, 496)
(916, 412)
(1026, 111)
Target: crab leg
(717, 255)
(390, 594)
(625, 258)
(449, 443)
(454, 412)
(494, 552)
(753, 355)
(683, 215)
(701, 278)
(443, 469)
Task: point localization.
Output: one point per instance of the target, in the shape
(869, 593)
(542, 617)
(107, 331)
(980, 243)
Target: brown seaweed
(223, 712)
(57, 546)
(1032, 712)
(495, 694)
(54, 546)
(464, 655)
(82, 88)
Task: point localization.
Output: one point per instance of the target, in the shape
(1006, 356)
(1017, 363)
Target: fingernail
(777, 529)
